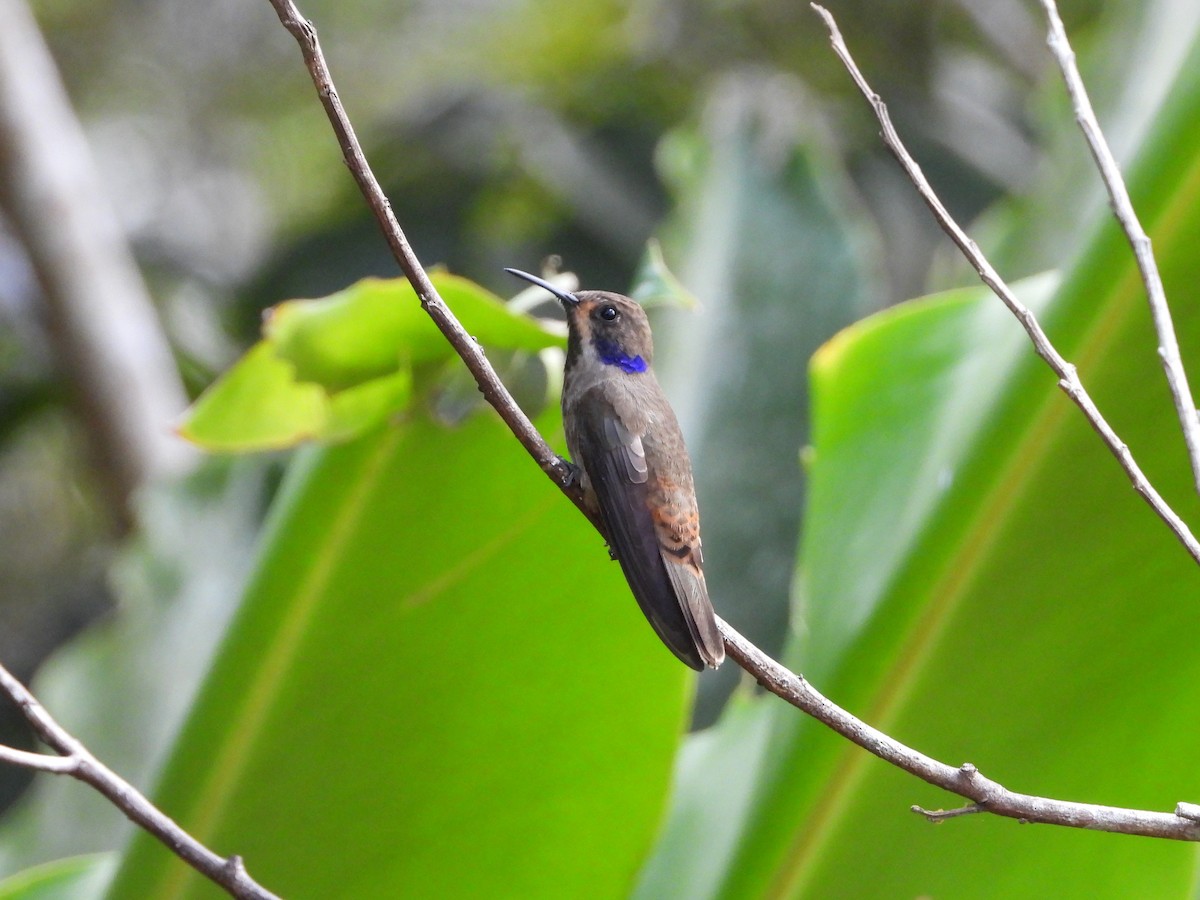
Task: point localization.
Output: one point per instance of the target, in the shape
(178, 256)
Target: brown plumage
(623, 436)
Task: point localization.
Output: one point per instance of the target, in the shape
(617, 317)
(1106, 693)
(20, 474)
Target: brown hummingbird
(628, 454)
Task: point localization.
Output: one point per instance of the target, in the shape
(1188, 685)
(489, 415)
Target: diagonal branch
(1168, 343)
(964, 780)
(76, 760)
(1068, 378)
(464, 345)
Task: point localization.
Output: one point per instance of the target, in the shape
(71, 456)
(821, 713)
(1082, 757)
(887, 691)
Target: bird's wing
(615, 460)
(677, 522)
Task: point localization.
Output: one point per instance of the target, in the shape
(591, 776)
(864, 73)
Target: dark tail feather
(692, 594)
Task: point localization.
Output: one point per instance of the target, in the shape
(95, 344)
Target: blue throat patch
(612, 355)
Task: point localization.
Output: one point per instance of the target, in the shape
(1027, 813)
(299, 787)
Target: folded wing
(666, 577)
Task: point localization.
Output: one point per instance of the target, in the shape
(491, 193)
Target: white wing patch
(627, 448)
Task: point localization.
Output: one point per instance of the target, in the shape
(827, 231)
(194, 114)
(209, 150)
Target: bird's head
(607, 328)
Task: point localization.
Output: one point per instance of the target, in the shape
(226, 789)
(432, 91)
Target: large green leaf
(980, 581)
(437, 686)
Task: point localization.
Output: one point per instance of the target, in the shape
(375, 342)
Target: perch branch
(1160, 312)
(464, 345)
(964, 780)
(76, 760)
(1068, 378)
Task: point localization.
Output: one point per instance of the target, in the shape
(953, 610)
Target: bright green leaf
(332, 369)
(356, 409)
(437, 684)
(365, 331)
(257, 405)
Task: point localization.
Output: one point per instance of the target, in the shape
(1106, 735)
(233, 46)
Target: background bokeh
(505, 132)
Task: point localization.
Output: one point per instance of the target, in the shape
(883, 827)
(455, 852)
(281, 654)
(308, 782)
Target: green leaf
(363, 406)
(437, 679)
(980, 582)
(257, 405)
(74, 878)
(365, 331)
(655, 284)
(332, 369)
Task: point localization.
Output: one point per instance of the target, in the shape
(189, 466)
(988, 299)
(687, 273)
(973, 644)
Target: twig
(964, 780)
(940, 815)
(1068, 378)
(1188, 811)
(41, 762)
(78, 762)
(1168, 344)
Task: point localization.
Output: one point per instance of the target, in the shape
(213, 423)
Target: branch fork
(75, 760)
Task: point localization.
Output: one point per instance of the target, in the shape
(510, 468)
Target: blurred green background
(957, 560)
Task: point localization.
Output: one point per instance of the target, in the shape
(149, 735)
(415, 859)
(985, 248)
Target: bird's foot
(574, 477)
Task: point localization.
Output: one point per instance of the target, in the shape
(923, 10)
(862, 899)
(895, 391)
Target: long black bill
(563, 296)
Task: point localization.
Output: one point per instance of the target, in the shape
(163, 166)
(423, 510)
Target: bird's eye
(608, 313)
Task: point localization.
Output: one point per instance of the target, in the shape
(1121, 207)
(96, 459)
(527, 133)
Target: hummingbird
(629, 457)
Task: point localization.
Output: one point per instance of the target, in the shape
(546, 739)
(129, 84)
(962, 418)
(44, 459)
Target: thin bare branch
(963, 780)
(1068, 378)
(1168, 343)
(940, 815)
(78, 762)
(42, 762)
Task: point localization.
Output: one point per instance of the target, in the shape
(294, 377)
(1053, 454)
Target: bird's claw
(574, 477)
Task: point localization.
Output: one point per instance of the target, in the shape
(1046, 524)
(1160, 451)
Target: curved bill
(563, 296)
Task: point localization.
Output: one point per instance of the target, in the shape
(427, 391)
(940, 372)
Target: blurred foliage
(127, 682)
(506, 132)
(75, 876)
(767, 220)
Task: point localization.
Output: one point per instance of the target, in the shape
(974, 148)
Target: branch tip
(1139, 240)
(1189, 811)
